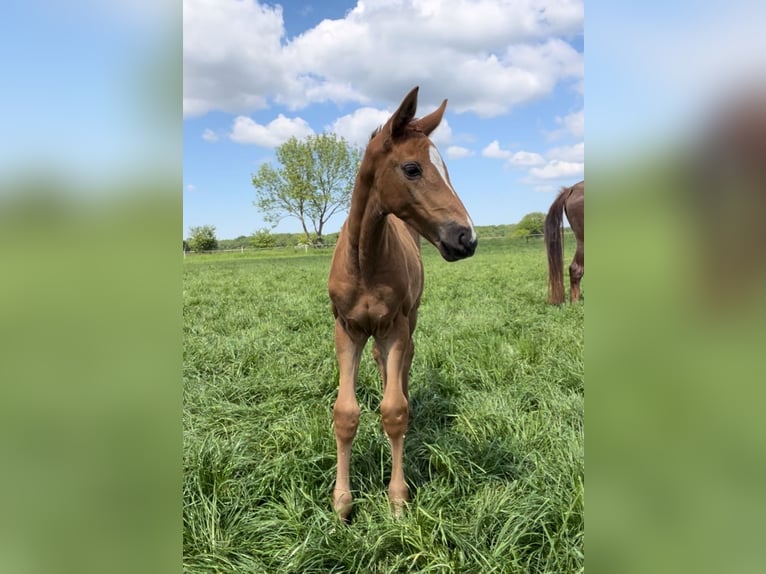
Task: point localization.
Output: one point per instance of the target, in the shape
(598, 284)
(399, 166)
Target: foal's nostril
(457, 242)
(467, 240)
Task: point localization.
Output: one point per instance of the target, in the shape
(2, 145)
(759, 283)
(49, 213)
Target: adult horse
(402, 191)
(572, 201)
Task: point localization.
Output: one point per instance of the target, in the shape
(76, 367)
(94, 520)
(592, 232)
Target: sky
(256, 74)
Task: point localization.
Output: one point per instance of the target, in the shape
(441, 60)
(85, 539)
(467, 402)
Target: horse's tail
(554, 245)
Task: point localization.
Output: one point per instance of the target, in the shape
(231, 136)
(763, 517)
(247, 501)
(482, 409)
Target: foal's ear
(430, 122)
(404, 115)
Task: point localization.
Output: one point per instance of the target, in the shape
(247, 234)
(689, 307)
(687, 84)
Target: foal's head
(407, 178)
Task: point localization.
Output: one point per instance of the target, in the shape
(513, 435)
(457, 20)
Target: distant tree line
(202, 238)
(263, 238)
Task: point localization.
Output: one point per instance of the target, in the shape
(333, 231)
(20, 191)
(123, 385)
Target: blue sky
(255, 74)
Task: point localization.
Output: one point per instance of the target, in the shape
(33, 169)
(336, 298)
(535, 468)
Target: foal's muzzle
(457, 242)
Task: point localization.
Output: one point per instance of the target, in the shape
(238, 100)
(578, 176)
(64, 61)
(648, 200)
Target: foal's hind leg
(345, 414)
(576, 271)
(409, 353)
(376, 354)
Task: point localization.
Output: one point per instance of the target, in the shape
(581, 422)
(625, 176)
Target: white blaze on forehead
(436, 159)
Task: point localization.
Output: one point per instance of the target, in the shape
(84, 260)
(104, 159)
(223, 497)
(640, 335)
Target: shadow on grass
(439, 457)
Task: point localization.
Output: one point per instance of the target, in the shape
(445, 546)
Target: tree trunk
(306, 232)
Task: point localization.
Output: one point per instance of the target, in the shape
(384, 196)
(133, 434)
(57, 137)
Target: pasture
(494, 455)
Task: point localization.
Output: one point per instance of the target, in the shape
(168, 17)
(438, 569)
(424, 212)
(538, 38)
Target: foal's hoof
(398, 498)
(343, 503)
(397, 508)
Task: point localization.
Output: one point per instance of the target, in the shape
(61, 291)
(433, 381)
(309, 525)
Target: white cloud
(487, 56)
(477, 69)
(524, 158)
(575, 123)
(574, 153)
(559, 163)
(556, 169)
(458, 152)
(571, 125)
(357, 127)
(518, 159)
(191, 188)
(209, 135)
(232, 55)
(493, 150)
(245, 130)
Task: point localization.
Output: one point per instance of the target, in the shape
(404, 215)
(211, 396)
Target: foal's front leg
(345, 414)
(394, 408)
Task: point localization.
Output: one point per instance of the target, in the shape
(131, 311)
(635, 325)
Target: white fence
(300, 247)
(305, 246)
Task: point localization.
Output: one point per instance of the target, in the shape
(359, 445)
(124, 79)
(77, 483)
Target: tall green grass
(494, 453)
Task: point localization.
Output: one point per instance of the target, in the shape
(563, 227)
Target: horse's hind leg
(376, 354)
(345, 415)
(576, 271)
(409, 353)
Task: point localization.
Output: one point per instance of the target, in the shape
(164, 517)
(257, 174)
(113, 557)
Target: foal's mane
(413, 125)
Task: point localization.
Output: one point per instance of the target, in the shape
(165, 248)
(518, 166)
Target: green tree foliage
(237, 243)
(531, 224)
(313, 183)
(263, 238)
(495, 231)
(202, 238)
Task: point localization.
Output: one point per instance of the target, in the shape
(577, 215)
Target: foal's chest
(374, 312)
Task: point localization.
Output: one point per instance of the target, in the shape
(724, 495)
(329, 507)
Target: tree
(531, 224)
(202, 238)
(314, 182)
(263, 238)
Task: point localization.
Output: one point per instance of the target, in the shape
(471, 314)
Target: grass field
(493, 457)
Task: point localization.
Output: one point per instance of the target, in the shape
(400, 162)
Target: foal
(402, 191)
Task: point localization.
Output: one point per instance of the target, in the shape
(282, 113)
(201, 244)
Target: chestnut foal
(402, 191)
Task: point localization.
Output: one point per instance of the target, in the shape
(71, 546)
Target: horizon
(300, 232)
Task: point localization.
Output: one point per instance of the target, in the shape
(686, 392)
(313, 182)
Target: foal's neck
(366, 228)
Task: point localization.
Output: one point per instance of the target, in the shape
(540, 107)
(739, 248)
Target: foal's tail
(554, 244)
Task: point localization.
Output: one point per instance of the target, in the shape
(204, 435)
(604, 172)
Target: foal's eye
(411, 170)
